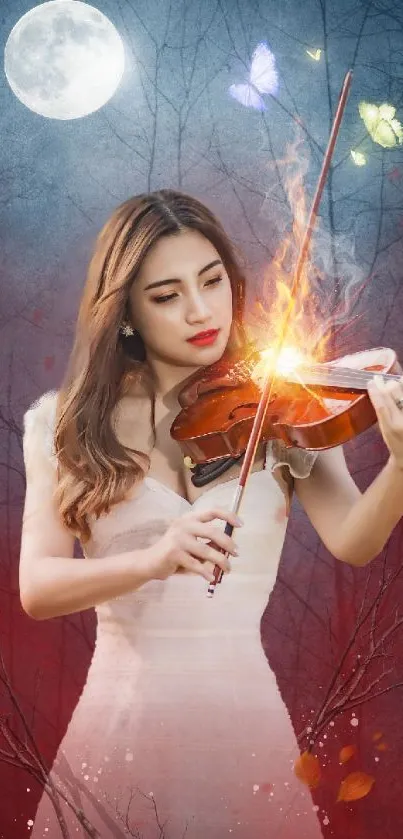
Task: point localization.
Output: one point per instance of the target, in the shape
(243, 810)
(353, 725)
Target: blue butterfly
(263, 78)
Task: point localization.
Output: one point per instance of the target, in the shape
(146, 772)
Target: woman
(180, 728)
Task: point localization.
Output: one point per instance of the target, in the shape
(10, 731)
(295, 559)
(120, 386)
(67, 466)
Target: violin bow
(270, 378)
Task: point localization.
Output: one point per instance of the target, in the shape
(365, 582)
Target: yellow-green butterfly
(315, 54)
(381, 124)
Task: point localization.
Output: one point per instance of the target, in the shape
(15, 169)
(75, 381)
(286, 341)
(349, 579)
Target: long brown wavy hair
(95, 471)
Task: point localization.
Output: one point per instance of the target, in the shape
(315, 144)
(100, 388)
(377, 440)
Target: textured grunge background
(333, 635)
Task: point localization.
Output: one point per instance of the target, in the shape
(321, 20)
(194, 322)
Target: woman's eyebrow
(175, 280)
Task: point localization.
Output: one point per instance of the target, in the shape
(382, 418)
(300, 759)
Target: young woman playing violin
(180, 721)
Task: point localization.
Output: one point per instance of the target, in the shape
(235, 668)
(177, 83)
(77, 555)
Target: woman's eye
(164, 298)
(214, 281)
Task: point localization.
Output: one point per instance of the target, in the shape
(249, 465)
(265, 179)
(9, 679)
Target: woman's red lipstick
(202, 339)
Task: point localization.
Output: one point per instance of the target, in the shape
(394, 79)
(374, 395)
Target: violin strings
(346, 377)
(338, 376)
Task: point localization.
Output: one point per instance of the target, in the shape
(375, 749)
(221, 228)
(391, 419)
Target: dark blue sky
(172, 122)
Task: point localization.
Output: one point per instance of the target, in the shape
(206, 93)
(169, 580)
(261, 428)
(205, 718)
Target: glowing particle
(354, 722)
(358, 157)
(30, 823)
(129, 757)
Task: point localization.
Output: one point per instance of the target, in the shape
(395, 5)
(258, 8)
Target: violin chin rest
(204, 473)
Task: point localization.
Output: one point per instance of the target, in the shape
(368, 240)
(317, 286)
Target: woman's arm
(52, 582)
(52, 586)
(353, 526)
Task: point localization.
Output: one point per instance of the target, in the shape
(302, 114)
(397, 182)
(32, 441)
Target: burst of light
(358, 158)
(314, 54)
(381, 124)
(290, 359)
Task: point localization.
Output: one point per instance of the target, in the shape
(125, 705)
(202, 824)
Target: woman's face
(182, 290)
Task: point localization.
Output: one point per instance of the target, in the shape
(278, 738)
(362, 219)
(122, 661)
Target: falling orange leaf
(377, 736)
(346, 753)
(356, 785)
(382, 747)
(307, 769)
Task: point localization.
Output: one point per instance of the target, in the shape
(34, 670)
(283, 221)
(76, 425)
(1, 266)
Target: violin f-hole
(232, 414)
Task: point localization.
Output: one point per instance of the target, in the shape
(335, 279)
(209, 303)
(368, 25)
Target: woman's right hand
(181, 548)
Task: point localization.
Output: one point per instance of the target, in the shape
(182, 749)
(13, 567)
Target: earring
(126, 330)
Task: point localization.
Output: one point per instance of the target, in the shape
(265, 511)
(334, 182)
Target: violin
(315, 406)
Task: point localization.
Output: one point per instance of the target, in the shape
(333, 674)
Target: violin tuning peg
(188, 462)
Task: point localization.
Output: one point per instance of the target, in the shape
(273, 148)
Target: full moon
(64, 59)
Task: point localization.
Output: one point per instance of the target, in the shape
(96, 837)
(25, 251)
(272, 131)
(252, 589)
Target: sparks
(290, 359)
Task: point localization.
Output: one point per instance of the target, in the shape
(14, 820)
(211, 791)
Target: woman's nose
(197, 310)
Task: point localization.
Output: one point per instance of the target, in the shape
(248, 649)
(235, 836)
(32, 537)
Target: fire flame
(293, 325)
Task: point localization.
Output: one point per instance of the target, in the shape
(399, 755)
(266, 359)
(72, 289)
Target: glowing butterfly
(358, 157)
(263, 78)
(381, 124)
(315, 54)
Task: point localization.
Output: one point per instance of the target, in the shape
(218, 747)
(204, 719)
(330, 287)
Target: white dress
(181, 730)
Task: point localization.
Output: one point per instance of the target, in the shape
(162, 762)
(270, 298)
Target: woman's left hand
(385, 397)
